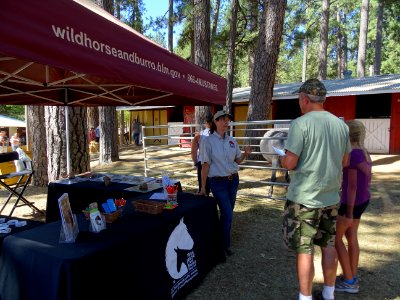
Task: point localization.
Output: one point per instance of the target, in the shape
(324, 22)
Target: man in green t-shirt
(316, 149)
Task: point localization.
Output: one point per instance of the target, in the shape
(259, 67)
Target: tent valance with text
(68, 52)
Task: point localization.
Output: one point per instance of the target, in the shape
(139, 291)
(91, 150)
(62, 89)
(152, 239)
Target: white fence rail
(173, 155)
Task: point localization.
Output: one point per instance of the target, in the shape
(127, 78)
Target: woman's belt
(230, 177)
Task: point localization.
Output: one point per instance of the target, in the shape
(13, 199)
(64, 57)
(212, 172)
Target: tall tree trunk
(202, 55)
(323, 40)
(378, 44)
(214, 26)
(253, 27)
(78, 140)
(37, 132)
(344, 44)
(171, 26)
(339, 51)
(215, 20)
(121, 127)
(362, 42)
(192, 38)
(56, 142)
(108, 5)
(202, 33)
(304, 67)
(92, 116)
(118, 8)
(137, 17)
(108, 135)
(108, 115)
(192, 46)
(231, 55)
(270, 37)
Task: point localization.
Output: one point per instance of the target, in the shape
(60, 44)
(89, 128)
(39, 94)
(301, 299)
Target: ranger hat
(313, 87)
(221, 113)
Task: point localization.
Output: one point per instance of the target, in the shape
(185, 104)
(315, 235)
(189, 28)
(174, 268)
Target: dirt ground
(261, 267)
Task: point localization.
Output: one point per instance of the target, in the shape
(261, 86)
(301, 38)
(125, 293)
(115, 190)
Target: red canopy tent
(71, 52)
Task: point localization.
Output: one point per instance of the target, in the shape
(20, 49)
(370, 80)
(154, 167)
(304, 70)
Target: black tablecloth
(83, 193)
(139, 256)
(30, 224)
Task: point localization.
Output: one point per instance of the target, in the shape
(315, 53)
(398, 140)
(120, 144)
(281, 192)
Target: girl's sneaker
(342, 286)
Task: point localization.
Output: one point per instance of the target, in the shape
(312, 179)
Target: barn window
(286, 109)
(373, 106)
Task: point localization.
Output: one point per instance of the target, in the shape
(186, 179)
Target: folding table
(145, 256)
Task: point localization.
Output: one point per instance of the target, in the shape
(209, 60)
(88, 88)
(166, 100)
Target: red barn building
(373, 100)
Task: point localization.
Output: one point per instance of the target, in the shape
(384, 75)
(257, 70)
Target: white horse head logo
(179, 244)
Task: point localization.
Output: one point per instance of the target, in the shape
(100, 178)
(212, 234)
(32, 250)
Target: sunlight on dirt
(262, 268)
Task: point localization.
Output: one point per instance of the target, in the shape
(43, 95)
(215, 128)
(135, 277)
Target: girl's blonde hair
(357, 135)
(356, 132)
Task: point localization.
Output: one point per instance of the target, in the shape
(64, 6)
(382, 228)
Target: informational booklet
(280, 152)
(69, 228)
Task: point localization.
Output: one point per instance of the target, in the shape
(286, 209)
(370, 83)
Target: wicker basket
(111, 217)
(148, 206)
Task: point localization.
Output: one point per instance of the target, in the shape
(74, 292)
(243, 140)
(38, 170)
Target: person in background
(317, 148)
(14, 141)
(22, 139)
(92, 135)
(3, 141)
(353, 202)
(221, 156)
(137, 128)
(196, 156)
(126, 137)
(97, 132)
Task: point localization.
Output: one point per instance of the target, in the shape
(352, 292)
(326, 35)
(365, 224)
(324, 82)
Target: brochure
(69, 228)
(280, 152)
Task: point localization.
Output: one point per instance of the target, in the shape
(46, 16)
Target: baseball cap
(221, 113)
(312, 87)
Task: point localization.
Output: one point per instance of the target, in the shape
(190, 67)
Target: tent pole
(27, 130)
(67, 139)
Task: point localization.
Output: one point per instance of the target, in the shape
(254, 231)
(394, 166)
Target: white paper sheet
(280, 152)
(158, 196)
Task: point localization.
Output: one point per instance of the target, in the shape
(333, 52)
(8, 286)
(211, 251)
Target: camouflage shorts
(305, 227)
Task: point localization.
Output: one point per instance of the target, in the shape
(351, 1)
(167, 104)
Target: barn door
(377, 135)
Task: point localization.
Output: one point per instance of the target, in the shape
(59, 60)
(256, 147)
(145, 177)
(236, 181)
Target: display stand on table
(69, 225)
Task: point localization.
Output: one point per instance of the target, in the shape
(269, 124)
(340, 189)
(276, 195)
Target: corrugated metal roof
(380, 84)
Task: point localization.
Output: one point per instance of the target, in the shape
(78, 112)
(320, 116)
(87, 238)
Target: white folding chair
(25, 171)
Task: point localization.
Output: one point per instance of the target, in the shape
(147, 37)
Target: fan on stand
(274, 138)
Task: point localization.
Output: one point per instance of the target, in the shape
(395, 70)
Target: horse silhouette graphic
(181, 258)
(179, 245)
